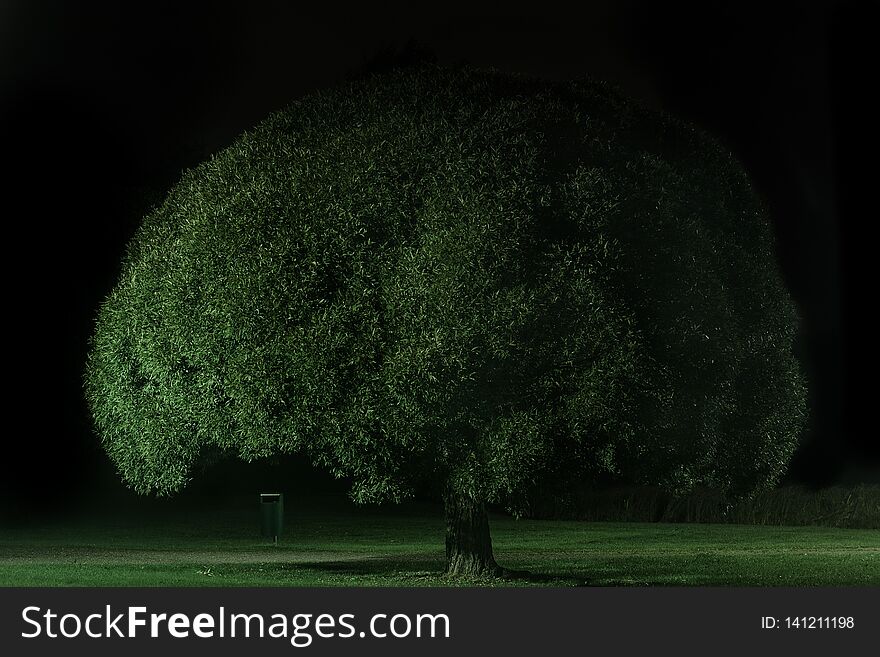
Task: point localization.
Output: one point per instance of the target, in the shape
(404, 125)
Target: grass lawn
(343, 546)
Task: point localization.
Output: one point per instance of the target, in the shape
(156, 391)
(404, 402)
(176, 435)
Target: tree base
(468, 543)
(461, 568)
(469, 566)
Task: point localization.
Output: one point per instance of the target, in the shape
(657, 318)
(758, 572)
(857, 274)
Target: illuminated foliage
(456, 276)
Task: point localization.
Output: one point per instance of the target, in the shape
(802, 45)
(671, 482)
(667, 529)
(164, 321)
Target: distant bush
(836, 506)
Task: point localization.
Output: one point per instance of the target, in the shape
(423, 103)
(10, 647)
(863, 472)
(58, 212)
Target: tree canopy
(458, 276)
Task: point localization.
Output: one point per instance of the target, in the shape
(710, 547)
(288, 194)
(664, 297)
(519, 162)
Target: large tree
(462, 278)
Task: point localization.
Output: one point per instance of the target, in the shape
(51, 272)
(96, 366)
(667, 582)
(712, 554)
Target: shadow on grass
(396, 567)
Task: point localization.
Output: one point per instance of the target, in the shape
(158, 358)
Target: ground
(337, 545)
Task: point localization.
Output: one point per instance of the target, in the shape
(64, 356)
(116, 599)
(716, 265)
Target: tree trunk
(468, 544)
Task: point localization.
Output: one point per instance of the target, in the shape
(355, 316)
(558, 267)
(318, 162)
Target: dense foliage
(457, 276)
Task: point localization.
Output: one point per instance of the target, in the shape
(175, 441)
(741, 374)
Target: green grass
(340, 546)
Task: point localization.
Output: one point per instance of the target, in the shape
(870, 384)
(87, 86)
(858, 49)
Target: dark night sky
(103, 107)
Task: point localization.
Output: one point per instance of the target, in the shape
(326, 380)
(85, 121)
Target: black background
(104, 105)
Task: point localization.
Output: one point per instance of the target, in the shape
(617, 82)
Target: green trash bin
(271, 515)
